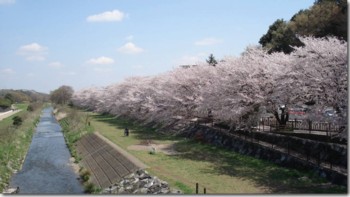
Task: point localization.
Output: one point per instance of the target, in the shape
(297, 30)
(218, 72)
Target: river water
(46, 169)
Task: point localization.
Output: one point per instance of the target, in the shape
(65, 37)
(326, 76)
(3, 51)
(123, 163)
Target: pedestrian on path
(126, 132)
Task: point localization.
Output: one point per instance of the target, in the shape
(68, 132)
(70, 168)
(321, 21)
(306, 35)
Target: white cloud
(56, 65)
(2, 2)
(129, 38)
(208, 41)
(7, 71)
(33, 47)
(108, 16)
(192, 59)
(33, 52)
(130, 48)
(101, 60)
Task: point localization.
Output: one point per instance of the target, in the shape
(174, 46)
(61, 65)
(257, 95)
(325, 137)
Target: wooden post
(205, 191)
(196, 188)
(329, 129)
(263, 125)
(310, 126)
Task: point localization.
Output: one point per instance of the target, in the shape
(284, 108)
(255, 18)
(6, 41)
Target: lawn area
(218, 170)
(15, 141)
(21, 106)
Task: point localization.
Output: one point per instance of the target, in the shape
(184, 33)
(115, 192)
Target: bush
(85, 175)
(90, 188)
(30, 108)
(5, 103)
(17, 121)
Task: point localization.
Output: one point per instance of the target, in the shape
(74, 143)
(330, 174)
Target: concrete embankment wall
(226, 140)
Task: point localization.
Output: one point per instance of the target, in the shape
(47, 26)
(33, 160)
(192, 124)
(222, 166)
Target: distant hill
(23, 95)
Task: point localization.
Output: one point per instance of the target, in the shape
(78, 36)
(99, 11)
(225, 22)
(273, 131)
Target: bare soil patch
(60, 116)
(148, 145)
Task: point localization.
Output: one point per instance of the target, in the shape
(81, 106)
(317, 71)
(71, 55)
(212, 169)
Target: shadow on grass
(140, 132)
(263, 173)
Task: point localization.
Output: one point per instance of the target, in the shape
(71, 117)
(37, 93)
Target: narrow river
(46, 169)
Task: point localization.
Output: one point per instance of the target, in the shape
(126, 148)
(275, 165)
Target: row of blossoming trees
(234, 89)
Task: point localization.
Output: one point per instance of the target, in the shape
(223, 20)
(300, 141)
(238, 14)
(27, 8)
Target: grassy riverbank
(15, 141)
(218, 170)
(74, 125)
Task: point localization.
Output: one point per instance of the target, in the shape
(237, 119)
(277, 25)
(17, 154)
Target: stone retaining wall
(326, 152)
(224, 139)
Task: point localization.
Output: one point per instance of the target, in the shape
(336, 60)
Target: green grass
(15, 141)
(74, 126)
(22, 106)
(219, 170)
(184, 188)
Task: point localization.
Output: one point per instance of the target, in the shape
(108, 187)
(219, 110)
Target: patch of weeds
(90, 188)
(85, 175)
(184, 188)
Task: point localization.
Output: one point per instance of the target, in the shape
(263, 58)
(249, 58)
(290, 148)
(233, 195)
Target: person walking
(126, 132)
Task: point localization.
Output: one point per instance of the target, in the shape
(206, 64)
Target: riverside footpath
(47, 169)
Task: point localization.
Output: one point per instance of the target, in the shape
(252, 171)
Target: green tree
(279, 38)
(5, 103)
(211, 60)
(62, 95)
(324, 18)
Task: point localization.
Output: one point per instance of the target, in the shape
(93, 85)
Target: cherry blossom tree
(234, 89)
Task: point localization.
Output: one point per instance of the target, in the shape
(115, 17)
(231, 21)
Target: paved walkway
(4, 115)
(107, 162)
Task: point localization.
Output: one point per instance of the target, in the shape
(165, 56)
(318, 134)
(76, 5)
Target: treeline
(9, 97)
(324, 18)
(234, 90)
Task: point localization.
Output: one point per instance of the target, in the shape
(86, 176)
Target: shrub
(90, 188)
(30, 108)
(17, 121)
(85, 175)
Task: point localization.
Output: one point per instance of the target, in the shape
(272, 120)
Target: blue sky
(82, 43)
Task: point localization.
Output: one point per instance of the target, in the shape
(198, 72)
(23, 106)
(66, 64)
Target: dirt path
(133, 159)
(8, 113)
